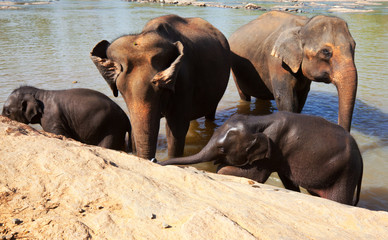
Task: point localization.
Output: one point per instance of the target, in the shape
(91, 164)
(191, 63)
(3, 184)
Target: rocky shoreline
(56, 188)
(287, 5)
(346, 6)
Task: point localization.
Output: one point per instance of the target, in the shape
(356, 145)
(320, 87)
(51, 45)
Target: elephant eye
(326, 53)
(221, 149)
(7, 112)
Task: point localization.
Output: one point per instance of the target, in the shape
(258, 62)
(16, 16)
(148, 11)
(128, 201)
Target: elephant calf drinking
(82, 114)
(305, 151)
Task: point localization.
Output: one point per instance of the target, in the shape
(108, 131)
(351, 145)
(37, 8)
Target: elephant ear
(288, 47)
(259, 148)
(109, 69)
(167, 78)
(30, 107)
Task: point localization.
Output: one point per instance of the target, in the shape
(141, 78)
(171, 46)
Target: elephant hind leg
(242, 95)
(333, 194)
(176, 131)
(341, 191)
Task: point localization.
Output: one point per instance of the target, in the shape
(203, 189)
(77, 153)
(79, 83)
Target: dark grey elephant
(304, 150)
(176, 67)
(82, 114)
(277, 55)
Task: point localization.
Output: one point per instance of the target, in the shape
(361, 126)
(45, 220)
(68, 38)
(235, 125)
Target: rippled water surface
(48, 45)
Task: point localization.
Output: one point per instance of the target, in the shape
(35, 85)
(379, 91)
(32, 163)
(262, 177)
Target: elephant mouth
(224, 160)
(323, 79)
(219, 161)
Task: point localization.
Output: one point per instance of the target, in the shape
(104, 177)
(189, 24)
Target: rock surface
(297, 6)
(58, 188)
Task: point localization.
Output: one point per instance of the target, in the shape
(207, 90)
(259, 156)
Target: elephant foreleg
(251, 172)
(58, 129)
(289, 92)
(211, 116)
(288, 184)
(176, 136)
(302, 96)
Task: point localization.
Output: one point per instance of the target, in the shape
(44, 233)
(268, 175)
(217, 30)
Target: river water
(48, 45)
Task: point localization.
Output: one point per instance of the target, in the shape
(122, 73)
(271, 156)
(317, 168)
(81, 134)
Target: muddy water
(48, 46)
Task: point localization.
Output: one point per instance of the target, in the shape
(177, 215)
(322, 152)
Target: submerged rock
(251, 6)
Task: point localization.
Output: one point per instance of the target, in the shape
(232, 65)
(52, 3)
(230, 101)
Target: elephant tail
(359, 185)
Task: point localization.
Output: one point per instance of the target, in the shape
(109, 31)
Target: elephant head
(22, 106)
(233, 145)
(144, 68)
(323, 50)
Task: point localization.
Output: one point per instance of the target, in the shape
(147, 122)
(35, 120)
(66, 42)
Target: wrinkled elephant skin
(85, 115)
(277, 55)
(305, 151)
(177, 68)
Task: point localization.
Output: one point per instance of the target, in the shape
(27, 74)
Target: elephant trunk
(346, 84)
(207, 154)
(145, 128)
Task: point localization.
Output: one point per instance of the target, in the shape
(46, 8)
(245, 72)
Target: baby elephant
(304, 150)
(82, 114)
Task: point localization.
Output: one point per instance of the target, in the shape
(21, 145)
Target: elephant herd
(178, 68)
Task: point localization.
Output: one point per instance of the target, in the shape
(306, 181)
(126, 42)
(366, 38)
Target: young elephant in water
(304, 150)
(82, 114)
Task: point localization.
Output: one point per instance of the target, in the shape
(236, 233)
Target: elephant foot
(245, 97)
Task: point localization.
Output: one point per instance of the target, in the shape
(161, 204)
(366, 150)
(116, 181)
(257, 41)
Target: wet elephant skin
(304, 150)
(177, 68)
(85, 115)
(277, 55)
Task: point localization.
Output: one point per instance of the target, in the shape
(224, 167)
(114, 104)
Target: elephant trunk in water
(345, 79)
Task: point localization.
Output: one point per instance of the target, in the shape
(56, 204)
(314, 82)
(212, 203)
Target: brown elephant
(177, 68)
(277, 55)
(304, 150)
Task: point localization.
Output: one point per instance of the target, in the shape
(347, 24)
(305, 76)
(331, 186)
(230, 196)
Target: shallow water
(48, 46)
